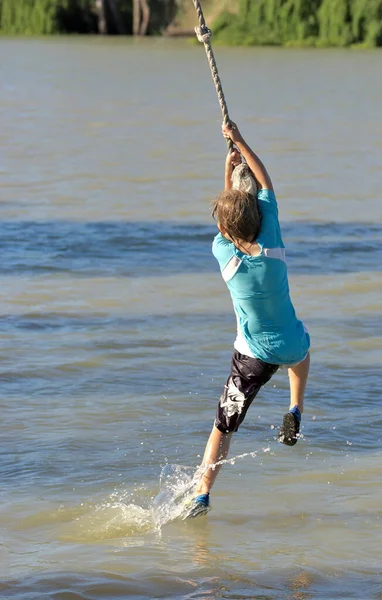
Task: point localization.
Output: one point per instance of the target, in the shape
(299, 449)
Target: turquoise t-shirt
(260, 291)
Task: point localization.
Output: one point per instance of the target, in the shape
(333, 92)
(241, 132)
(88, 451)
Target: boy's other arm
(258, 169)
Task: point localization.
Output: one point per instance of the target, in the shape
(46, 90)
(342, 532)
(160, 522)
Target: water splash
(178, 486)
(113, 517)
(130, 514)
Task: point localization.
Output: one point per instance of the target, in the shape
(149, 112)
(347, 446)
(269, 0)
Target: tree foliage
(38, 17)
(28, 16)
(281, 22)
(303, 22)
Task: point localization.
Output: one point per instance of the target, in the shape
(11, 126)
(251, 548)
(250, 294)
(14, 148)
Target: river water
(117, 330)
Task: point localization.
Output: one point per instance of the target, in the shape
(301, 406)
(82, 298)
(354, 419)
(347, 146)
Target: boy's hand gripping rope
(203, 33)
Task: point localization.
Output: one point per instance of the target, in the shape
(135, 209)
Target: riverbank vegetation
(303, 22)
(247, 22)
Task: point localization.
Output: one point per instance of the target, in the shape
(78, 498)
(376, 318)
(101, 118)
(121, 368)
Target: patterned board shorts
(247, 376)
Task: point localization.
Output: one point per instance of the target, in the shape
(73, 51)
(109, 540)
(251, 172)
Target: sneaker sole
(289, 430)
(195, 511)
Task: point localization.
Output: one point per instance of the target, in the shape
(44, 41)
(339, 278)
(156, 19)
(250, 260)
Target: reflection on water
(116, 328)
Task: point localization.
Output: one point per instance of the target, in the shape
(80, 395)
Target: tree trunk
(100, 8)
(136, 16)
(145, 17)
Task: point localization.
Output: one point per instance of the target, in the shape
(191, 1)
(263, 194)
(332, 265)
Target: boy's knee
(228, 426)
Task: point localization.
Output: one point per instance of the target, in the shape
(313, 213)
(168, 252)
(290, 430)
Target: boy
(251, 256)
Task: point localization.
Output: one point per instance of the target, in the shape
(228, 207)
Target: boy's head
(237, 215)
(236, 210)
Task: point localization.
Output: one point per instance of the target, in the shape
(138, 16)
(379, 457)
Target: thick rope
(204, 35)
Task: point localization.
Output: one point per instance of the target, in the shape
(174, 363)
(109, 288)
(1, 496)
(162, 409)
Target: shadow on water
(136, 249)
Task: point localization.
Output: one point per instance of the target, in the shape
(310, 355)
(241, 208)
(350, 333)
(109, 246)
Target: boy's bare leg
(216, 450)
(298, 377)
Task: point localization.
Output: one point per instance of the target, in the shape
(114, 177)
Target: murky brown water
(116, 329)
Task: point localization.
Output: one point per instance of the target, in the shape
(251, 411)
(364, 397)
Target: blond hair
(237, 212)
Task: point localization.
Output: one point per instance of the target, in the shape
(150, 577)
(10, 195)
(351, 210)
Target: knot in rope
(203, 33)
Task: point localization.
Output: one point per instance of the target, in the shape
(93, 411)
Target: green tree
(270, 22)
(29, 16)
(322, 22)
(367, 22)
(335, 23)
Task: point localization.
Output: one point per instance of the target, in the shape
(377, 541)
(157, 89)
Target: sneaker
(200, 505)
(290, 429)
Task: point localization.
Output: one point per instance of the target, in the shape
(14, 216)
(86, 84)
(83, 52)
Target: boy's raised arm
(259, 171)
(232, 160)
